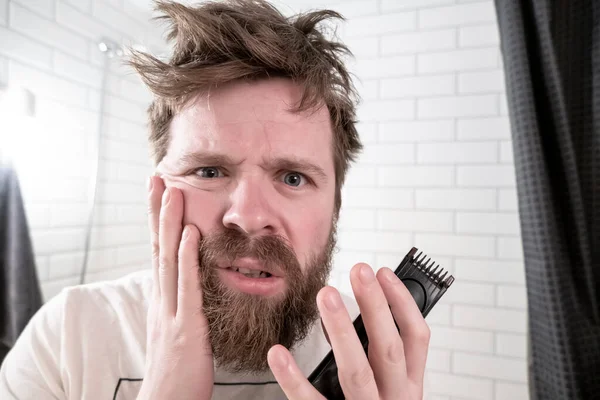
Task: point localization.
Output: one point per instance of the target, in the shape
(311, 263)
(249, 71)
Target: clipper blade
(426, 281)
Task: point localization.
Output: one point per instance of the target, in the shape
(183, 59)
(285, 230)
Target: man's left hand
(395, 366)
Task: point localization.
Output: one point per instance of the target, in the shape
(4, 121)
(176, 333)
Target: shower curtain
(551, 53)
(20, 294)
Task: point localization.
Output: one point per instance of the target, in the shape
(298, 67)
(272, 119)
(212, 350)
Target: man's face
(258, 182)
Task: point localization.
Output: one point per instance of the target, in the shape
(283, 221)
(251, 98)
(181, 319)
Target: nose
(250, 209)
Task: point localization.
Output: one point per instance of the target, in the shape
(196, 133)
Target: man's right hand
(179, 361)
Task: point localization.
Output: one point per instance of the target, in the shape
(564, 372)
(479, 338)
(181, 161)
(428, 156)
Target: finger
(414, 330)
(169, 236)
(325, 332)
(386, 350)
(189, 294)
(156, 188)
(355, 373)
(288, 375)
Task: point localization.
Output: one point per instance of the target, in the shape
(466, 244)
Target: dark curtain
(551, 53)
(20, 293)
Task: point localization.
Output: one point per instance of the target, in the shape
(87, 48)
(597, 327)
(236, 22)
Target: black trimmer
(426, 285)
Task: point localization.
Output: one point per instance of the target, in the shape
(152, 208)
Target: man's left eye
(293, 179)
(209, 172)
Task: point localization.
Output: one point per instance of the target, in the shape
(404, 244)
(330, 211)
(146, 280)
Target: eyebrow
(299, 165)
(206, 159)
(281, 163)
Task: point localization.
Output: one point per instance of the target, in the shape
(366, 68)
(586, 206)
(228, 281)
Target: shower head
(113, 49)
(110, 48)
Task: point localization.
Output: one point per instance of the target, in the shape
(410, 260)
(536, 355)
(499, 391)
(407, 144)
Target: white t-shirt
(89, 342)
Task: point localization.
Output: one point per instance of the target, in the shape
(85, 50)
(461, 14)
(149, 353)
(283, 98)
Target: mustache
(273, 251)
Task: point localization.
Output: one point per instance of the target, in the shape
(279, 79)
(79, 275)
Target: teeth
(251, 273)
(244, 270)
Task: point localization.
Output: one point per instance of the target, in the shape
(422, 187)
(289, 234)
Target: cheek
(201, 209)
(312, 231)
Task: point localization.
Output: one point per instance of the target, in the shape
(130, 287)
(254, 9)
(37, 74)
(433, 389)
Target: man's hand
(179, 363)
(396, 363)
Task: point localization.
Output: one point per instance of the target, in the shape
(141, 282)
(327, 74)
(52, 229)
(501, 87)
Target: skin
(267, 149)
(249, 125)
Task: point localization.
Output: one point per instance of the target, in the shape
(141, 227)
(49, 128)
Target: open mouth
(249, 276)
(251, 273)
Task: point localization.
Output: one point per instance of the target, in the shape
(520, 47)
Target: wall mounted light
(17, 111)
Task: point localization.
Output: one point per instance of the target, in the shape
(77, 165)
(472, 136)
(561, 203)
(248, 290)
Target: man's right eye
(209, 172)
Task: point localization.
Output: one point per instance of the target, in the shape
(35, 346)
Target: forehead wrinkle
(260, 128)
(262, 109)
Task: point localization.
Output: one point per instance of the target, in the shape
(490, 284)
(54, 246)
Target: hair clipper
(425, 283)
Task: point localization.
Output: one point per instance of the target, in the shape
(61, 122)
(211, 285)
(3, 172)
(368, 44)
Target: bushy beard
(243, 327)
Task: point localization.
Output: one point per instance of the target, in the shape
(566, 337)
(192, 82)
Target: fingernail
(366, 274)
(280, 359)
(186, 232)
(166, 197)
(333, 301)
(149, 184)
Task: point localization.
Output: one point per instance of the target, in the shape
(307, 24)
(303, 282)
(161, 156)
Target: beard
(243, 327)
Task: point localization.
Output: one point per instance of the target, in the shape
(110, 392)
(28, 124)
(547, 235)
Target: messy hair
(217, 42)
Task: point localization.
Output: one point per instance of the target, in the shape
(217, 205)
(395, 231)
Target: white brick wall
(50, 47)
(437, 173)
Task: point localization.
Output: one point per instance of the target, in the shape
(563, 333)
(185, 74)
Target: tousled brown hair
(220, 42)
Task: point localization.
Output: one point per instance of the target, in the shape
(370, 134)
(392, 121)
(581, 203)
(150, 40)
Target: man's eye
(293, 179)
(209, 172)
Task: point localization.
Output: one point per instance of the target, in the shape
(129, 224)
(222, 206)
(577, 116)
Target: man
(252, 130)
